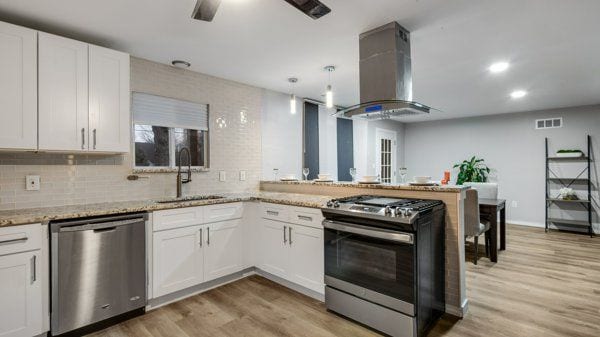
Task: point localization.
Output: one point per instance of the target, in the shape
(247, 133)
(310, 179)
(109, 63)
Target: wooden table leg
(494, 235)
(503, 229)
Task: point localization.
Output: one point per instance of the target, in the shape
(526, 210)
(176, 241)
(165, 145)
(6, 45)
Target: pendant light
(329, 92)
(292, 81)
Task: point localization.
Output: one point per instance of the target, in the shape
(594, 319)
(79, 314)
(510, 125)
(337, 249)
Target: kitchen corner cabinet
(18, 88)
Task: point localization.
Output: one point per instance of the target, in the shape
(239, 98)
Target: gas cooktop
(388, 209)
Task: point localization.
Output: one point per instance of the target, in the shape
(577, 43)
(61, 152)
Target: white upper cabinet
(109, 100)
(63, 93)
(18, 87)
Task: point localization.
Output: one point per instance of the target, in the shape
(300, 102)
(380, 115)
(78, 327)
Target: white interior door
(223, 249)
(21, 293)
(18, 87)
(63, 93)
(177, 260)
(386, 152)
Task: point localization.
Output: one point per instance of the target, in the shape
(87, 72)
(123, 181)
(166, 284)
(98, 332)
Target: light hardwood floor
(544, 285)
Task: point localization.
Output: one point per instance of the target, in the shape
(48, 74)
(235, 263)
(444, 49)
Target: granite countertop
(38, 215)
(440, 188)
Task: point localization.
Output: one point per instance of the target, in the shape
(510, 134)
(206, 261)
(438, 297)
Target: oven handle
(369, 231)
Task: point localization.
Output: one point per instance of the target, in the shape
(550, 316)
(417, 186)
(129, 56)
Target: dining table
(491, 210)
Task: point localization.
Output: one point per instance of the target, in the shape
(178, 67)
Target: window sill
(167, 169)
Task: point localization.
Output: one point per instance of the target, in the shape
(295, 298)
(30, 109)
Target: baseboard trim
(293, 286)
(595, 226)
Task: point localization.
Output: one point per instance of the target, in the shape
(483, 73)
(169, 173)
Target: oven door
(375, 264)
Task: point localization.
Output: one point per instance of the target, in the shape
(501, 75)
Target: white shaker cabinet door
(21, 308)
(273, 247)
(109, 100)
(177, 260)
(18, 87)
(222, 249)
(63, 94)
(307, 258)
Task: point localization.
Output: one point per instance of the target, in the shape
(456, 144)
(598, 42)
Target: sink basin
(190, 198)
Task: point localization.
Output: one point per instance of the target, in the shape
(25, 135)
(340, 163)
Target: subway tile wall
(68, 179)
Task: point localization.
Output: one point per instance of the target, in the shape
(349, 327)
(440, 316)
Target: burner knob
(330, 203)
(336, 204)
(388, 210)
(407, 211)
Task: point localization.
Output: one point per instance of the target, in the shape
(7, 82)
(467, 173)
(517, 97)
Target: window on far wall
(163, 126)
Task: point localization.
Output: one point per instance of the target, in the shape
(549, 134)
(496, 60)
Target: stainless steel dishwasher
(98, 270)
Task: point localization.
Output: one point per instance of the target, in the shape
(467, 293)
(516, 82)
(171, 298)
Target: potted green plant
(472, 170)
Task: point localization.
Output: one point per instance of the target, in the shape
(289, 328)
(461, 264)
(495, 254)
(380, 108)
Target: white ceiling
(552, 45)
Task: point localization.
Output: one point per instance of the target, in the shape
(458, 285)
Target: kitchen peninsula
(452, 196)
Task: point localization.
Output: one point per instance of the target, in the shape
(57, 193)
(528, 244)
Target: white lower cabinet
(274, 252)
(22, 277)
(223, 249)
(178, 260)
(307, 258)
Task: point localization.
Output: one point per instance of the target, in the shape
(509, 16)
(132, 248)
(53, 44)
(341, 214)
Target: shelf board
(568, 158)
(584, 180)
(571, 201)
(569, 222)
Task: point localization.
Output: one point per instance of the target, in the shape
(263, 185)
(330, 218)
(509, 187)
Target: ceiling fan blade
(205, 10)
(313, 8)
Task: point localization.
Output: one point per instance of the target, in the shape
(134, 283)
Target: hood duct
(385, 76)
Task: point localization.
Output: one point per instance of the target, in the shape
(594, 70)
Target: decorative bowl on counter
(422, 179)
(289, 177)
(369, 179)
(324, 176)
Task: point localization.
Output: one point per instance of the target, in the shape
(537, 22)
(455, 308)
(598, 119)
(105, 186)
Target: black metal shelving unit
(584, 178)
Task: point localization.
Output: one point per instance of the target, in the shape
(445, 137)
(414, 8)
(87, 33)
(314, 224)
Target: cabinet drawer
(177, 218)
(306, 217)
(275, 212)
(222, 212)
(18, 239)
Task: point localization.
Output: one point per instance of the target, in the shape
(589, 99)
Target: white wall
(328, 142)
(365, 140)
(510, 146)
(281, 135)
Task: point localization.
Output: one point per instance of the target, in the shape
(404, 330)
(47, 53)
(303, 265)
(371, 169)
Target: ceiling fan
(205, 10)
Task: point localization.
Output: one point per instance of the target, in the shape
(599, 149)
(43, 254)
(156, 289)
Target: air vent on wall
(551, 123)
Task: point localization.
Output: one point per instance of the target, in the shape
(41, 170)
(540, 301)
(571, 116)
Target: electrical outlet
(32, 183)
(242, 175)
(514, 204)
(222, 176)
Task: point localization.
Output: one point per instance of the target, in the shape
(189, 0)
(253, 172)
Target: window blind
(168, 112)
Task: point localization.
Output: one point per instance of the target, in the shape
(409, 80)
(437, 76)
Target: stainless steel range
(384, 262)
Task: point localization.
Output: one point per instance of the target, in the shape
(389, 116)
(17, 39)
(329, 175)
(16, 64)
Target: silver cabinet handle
(272, 213)
(290, 231)
(94, 132)
(284, 234)
(200, 237)
(369, 231)
(208, 236)
(33, 268)
(83, 138)
(14, 240)
(305, 218)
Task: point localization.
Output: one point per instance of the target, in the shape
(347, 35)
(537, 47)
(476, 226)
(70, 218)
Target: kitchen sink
(190, 198)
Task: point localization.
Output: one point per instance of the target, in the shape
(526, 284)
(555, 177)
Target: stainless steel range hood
(385, 76)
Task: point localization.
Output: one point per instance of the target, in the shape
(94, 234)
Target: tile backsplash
(70, 179)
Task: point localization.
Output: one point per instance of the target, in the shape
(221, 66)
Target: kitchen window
(163, 126)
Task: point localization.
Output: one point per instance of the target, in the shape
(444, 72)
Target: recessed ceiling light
(498, 67)
(181, 64)
(518, 93)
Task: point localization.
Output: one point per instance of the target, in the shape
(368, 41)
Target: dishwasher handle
(100, 226)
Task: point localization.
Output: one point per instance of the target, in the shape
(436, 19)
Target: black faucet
(189, 172)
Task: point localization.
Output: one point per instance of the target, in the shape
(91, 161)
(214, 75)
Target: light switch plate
(242, 175)
(222, 176)
(32, 183)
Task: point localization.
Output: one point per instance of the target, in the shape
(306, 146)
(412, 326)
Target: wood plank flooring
(544, 285)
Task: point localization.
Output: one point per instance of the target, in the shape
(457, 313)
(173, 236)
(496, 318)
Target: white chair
(486, 190)
(473, 225)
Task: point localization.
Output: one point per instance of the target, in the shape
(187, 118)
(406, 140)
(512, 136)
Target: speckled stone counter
(342, 184)
(38, 215)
